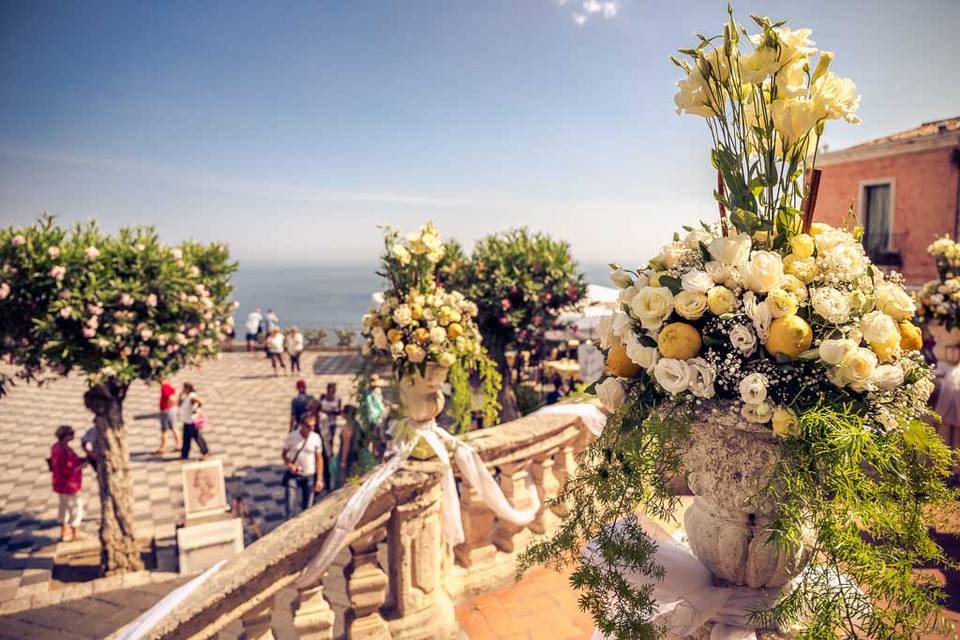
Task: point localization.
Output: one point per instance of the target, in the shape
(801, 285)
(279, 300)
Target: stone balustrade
(396, 578)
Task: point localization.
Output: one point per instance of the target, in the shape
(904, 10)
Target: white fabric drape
(149, 618)
(948, 401)
(591, 416)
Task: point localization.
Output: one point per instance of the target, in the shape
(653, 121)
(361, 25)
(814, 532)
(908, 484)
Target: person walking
(67, 469)
(330, 407)
(294, 343)
(303, 458)
(275, 348)
(254, 320)
(300, 405)
(372, 413)
(194, 420)
(168, 416)
(272, 321)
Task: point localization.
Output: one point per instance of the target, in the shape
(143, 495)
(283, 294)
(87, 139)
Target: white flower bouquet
(938, 301)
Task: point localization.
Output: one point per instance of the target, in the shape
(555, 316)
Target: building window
(877, 219)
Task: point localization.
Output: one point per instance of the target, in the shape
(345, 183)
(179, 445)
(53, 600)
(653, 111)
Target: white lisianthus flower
(731, 250)
(446, 359)
(18, 240)
(622, 324)
(621, 278)
(438, 335)
(640, 355)
(415, 353)
(830, 238)
(690, 305)
(652, 305)
(716, 270)
(379, 338)
(764, 271)
(887, 376)
(612, 393)
(626, 295)
(879, 328)
(792, 79)
(759, 313)
(696, 281)
(695, 237)
(673, 375)
(760, 413)
(401, 253)
(403, 315)
(755, 67)
(743, 339)
(53, 252)
(837, 97)
(670, 255)
(793, 118)
(605, 332)
(894, 301)
(846, 261)
(753, 388)
(702, 376)
(58, 272)
(831, 304)
(835, 351)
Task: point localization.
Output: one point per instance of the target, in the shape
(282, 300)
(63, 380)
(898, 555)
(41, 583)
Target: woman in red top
(168, 416)
(67, 468)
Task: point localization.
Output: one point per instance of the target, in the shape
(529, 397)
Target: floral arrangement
(939, 300)
(419, 322)
(785, 322)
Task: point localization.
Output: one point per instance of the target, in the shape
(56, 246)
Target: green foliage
(528, 399)
(346, 337)
(315, 337)
(122, 307)
(520, 280)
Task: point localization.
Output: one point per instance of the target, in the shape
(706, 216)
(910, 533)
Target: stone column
(313, 617)
(548, 486)
(366, 588)
(564, 467)
(257, 621)
(479, 522)
(510, 537)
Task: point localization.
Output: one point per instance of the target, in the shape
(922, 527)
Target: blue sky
(291, 130)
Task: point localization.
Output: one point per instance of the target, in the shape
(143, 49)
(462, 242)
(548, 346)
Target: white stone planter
(729, 461)
(421, 397)
(947, 345)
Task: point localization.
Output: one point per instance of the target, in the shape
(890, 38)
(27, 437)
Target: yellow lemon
(679, 340)
(619, 364)
(416, 311)
(790, 335)
(911, 338)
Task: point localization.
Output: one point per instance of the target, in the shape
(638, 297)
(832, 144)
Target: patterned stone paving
(248, 409)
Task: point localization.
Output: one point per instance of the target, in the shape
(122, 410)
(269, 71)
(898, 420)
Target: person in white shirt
(303, 456)
(254, 320)
(191, 412)
(275, 347)
(272, 321)
(294, 348)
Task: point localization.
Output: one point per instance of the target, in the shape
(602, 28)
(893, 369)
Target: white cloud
(590, 8)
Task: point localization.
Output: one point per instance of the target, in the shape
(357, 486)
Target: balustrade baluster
(479, 522)
(366, 588)
(313, 618)
(257, 623)
(513, 479)
(548, 486)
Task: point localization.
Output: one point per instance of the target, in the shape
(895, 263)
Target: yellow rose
(721, 300)
(781, 303)
(455, 330)
(816, 228)
(887, 350)
(395, 335)
(446, 359)
(416, 311)
(790, 335)
(421, 335)
(785, 423)
(804, 269)
(802, 246)
(690, 304)
(911, 338)
(792, 284)
(679, 341)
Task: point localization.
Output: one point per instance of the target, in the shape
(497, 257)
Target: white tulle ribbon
(592, 417)
(686, 597)
(948, 401)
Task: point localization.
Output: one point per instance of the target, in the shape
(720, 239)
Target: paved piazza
(249, 412)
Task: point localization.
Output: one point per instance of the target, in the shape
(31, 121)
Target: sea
(323, 296)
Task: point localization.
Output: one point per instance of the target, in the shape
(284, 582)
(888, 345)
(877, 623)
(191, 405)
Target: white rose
(670, 255)
(830, 238)
(743, 339)
(622, 324)
(831, 304)
(640, 355)
(627, 294)
(764, 271)
(836, 351)
(895, 302)
(761, 413)
(379, 338)
(887, 376)
(415, 353)
(878, 328)
(673, 375)
(652, 305)
(691, 305)
(438, 335)
(605, 332)
(702, 376)
(845, 261)
(697, 281)
(612, 393)
(402, 315)
(732, 250)
(697, 236)
(621, 278)
(716, 270)
(858, 368)
(753, 388)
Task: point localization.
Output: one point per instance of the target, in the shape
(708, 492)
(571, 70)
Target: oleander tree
(114, 309)
(521, 282)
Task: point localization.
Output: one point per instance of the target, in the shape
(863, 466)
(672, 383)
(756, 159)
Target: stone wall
(397, 578)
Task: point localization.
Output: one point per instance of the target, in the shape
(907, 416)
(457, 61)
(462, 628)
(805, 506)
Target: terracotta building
(904, 189)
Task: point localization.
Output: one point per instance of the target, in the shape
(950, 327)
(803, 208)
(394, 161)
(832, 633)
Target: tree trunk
(119, 551)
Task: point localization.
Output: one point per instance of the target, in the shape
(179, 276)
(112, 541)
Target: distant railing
(396, 578)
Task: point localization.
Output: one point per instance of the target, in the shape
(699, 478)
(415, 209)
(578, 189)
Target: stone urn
(421, 397)
(730, 461)
(946, 347)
